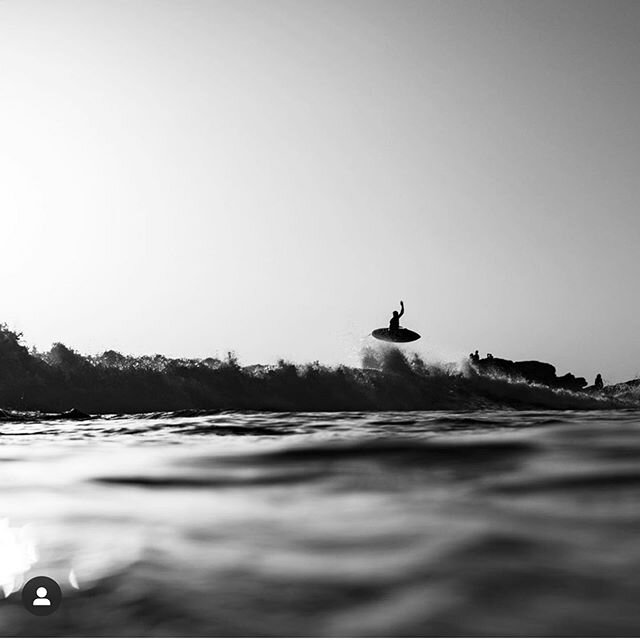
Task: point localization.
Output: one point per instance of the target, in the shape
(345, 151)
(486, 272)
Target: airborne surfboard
(398, 335)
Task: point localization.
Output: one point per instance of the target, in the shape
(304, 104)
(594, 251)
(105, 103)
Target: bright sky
(271, 176)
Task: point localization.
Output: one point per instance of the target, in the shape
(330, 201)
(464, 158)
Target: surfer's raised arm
(401, 308)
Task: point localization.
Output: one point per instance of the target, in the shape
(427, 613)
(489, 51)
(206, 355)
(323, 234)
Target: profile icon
(41, 596)
(41, 600)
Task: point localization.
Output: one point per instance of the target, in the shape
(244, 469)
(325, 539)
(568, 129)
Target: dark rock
(533, 371)
(569, 381)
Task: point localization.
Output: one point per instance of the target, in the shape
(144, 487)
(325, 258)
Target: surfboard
(401, 335)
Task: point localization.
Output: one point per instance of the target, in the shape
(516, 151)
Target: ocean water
(412, 523)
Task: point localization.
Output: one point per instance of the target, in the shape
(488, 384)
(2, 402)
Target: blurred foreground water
(413, 523)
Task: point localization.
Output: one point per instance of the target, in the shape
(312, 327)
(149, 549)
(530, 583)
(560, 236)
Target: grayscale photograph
(319, 318)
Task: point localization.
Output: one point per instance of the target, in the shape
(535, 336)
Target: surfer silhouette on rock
(394, 323)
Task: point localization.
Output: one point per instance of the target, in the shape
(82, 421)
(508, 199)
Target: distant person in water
(394, 323)
(598, 383)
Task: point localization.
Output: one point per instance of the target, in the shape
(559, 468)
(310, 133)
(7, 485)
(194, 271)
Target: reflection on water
(17, 555)
(483, 523)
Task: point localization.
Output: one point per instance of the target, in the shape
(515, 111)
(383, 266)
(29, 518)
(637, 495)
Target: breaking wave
(389, 379)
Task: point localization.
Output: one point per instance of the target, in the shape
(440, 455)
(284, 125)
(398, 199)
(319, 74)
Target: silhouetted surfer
(396, 333)
(394, 323)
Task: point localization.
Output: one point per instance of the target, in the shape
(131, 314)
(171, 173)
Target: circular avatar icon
(41, 596)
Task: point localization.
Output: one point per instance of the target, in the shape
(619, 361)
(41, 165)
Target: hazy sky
(192, 176)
